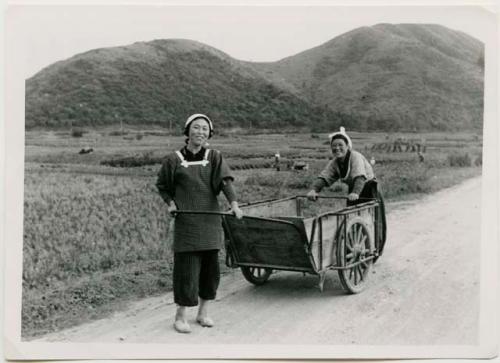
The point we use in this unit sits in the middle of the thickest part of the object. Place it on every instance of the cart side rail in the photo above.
(272, 208)
(353, 208)
(290, 206)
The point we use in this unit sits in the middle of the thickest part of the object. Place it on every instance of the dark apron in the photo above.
(371, 191)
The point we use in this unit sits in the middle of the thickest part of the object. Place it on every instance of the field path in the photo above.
(423, 290)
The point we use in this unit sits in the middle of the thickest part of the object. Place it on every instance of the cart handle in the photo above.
(201, 212)
(232, 215)
(323, 196)
(334, 197)
(347, 210)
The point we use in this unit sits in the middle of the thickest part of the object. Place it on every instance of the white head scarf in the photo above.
(194, 117)
(343, 134)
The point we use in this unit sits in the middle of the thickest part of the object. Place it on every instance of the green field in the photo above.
(94, 234)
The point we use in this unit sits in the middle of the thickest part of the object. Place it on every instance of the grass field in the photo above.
(94, 235)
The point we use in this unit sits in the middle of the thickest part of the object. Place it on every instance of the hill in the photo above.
(392, 77)
(384, 77)
(159, 82)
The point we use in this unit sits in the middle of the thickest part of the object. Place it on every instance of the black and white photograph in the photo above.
(252, 181)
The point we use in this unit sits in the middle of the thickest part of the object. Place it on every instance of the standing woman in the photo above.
(354, 170)
(191, 179)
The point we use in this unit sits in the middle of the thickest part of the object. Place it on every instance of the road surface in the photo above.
(424, 290)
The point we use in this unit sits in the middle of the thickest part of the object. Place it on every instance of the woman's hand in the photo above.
(235, 209)
(353, 196)
(312, 195)
(237, 212)
(171, 208)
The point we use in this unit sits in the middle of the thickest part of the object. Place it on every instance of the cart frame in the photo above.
(354, 231)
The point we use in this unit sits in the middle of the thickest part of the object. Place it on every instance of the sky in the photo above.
(46, 34)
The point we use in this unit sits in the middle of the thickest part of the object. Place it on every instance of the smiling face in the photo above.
(199, 131)
(339, 148)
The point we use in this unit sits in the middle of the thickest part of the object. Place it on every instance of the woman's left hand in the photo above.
(235, 209)
(353, 196)
(237, 212)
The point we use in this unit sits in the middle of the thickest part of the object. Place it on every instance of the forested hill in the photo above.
(159, 82)
(385, 77)
(388, 76)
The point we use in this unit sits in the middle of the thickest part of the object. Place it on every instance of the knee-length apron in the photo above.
(194, 190)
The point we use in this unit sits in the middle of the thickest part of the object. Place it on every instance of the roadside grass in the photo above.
(94, 235)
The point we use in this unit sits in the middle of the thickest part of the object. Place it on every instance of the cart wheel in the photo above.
(256, 275)
(358, 244)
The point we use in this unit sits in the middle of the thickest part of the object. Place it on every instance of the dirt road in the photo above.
(423, 290)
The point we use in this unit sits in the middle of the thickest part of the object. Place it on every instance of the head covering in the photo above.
(343, 135)
(194, 117)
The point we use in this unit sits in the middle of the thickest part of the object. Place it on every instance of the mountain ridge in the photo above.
(382, 77)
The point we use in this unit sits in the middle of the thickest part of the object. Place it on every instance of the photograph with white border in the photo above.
(98, 101)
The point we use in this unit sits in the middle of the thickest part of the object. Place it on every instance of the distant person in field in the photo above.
(420, 156)
(277, 161)
(191, 179)
(353, 169)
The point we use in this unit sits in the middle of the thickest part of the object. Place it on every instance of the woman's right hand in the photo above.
(171, 208)
(312, 195)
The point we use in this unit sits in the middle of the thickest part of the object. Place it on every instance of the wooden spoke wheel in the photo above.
(351, 250)
(256, 275)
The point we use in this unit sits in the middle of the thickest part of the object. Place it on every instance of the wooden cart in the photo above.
(277, 235)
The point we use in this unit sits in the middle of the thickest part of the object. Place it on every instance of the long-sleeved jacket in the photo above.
(358, 172)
